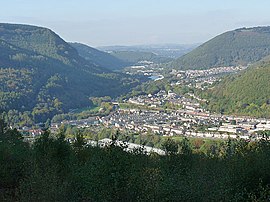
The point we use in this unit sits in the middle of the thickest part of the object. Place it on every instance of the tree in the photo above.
(79, 142)
(14, 157)
(47, 123)
(170, 146)
(2, 126)
(185, 146)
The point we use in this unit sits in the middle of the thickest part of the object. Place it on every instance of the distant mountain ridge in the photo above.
(238, 47)
(133, 57)
(162, 50)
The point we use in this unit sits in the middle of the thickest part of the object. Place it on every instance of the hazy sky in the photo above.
(129, 22)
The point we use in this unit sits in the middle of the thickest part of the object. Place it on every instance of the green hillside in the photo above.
(238, 47)
(247, 93)
(137, 56)
(42, 74)
(98, 57)
(39, 40)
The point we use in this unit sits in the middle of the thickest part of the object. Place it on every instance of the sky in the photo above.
(137, 22)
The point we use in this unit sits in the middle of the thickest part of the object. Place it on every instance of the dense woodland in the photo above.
(52, 169)
(244, 94)
(41, 75)
(239, 47)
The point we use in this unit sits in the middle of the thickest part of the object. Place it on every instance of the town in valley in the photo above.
(168, 114)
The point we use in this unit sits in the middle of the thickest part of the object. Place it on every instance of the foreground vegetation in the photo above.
(52, 169)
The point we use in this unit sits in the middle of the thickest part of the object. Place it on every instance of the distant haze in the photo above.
(132, 22)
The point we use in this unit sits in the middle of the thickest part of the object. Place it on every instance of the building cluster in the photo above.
(168, 114)
(202, 78)
(189, 119)
(145, 68)
(29, 132)
(81, 123)
(184, 123)
(213, 71)
(162, 98)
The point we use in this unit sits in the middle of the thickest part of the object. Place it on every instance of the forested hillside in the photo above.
(238, 47)
(247, 93)
(98, 57)
(42, 74)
